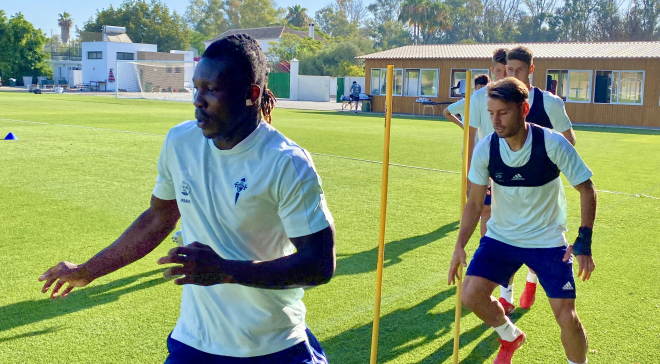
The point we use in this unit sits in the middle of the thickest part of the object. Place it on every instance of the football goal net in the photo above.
(157, 80)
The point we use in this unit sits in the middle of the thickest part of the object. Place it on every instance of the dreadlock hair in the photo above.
(248, 67)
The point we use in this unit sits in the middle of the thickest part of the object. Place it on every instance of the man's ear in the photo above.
(525, 109)
(254, 94)
(531, 69)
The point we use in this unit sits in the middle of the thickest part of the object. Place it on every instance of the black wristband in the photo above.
(582, 245)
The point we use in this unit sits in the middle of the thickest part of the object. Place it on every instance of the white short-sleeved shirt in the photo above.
(457, 108)
(245, 203)
(529, 217)
(480, 118)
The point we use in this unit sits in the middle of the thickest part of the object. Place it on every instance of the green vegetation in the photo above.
(70, 191)
(21, 49)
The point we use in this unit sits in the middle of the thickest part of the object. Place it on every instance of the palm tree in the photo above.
(429, 15)
(297, 16)
(414, 12)
(65, 22)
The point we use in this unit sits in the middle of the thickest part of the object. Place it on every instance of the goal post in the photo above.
(155, 80)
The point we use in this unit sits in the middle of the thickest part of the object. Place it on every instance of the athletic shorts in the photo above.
(355, 98)
(307, 352)
(498, 261)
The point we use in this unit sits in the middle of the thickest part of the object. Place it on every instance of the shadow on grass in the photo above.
(33, 333)
(366, 261)
(31, 311)
(408, 329)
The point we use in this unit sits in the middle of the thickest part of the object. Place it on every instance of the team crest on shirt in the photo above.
(240, 187)
(185, 188)
(185, 191)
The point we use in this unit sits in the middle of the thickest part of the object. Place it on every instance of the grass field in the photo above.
(69, 191)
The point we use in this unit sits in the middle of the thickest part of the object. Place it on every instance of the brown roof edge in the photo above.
(573, 50)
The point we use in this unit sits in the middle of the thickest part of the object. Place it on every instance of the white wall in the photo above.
(99, 69)
(189, 68)
(63, 69)
(314, 88)
(264, 43)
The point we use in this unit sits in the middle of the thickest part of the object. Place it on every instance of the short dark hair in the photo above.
(481, 80)
(499, 56)
(522, 54)
(354, 81)
(508, 89)
(249, 66)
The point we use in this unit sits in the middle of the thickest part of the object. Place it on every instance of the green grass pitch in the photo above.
(69, 191)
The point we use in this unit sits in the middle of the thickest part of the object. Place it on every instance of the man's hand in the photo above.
(201, 265)
(65, 272)
(456, 261)
(585, 263)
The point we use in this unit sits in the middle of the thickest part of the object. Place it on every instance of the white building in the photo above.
(100, 57)
(264, 36)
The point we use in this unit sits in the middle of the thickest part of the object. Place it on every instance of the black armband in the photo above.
(582, 245)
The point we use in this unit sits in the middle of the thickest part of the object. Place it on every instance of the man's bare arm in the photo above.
(569, 135)
(451, 117)
(143, 236)
(312, 264)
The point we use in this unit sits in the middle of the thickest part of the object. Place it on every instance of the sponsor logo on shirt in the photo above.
(518, 177)
(240, 186)
(185, 190)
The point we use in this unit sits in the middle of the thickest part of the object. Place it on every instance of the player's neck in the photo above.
(517, 141)
(231, 139)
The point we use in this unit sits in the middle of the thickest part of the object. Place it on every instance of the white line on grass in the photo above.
(321, 154)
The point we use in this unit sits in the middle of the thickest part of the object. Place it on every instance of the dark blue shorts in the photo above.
(487, 200)
(307, 352)
(498, 261)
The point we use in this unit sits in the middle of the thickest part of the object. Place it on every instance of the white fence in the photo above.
(314, 88)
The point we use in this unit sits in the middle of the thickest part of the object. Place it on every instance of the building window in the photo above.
(421, 82)
(411, 87)
(168, 69)
(125, 56)
(94, 55)
(619, 87)
(570, 85)
(379, 81)
(178, 69)
(458, 76)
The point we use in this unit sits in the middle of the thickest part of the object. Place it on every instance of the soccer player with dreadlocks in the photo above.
(255, 225)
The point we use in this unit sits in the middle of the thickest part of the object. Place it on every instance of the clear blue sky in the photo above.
(43, 13)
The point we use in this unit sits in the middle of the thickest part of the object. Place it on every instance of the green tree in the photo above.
(297, 16)
(641, 20)
(336, 59)
(22, 49)
(65, 22)
(291, 46)
(335, 22)
(253, 13)
(150, 23)
(608, 24)
(206, 17)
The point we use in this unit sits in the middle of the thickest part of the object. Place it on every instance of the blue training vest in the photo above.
(537, 114)
(538, 171)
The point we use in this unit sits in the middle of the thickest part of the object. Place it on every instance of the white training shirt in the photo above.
(457, 108)
(480, 118)
(529, 217)
(245, 203)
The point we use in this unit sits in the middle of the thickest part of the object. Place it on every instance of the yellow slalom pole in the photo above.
(466, 140)
(383, 212)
